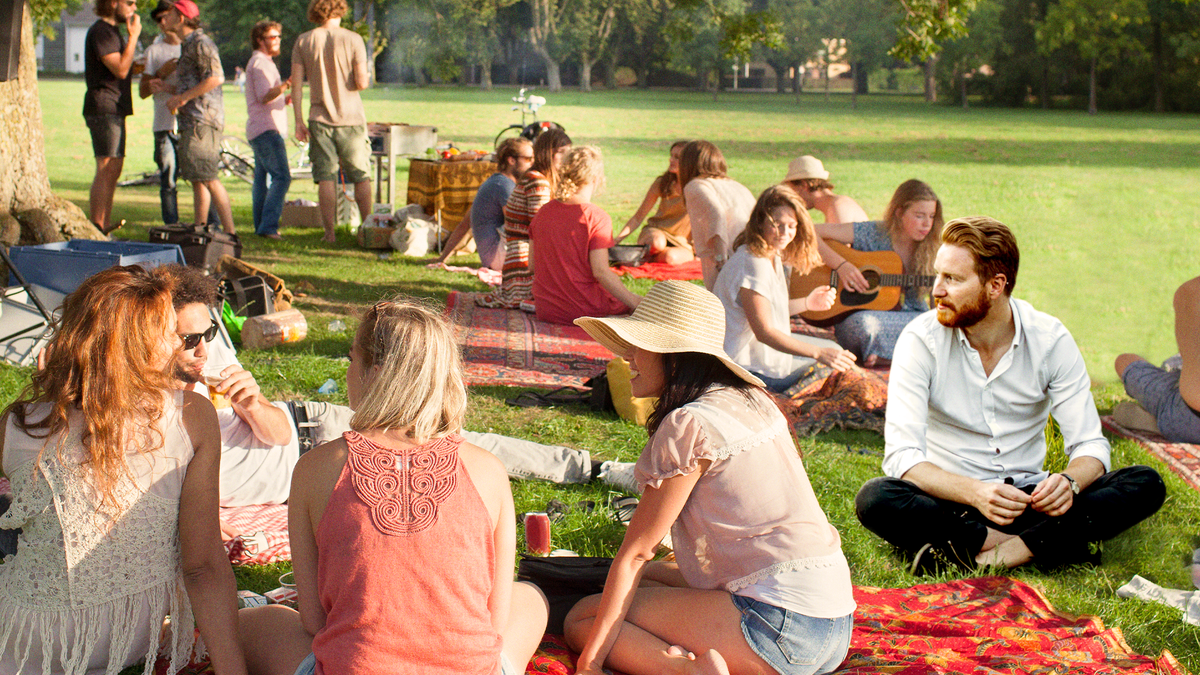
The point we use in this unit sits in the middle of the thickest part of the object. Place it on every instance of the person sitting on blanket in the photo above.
(668, 234)
(760, 579)
(533, 192)
(569, 239)
(403, 534)
(912, 228)
(1168, 400)
(965, 445)
(810, 180)
(753, 288)
(485, 218)
(261, 441)
(114, 474)
(718, 206)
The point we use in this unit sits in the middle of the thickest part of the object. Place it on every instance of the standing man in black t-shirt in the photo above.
(108, 69)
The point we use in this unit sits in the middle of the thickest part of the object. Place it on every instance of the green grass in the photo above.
(1104, 208)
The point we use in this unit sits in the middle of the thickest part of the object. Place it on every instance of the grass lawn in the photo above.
(1104, 207)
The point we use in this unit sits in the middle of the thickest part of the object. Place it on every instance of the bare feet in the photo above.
(1010, 553)
(994, 539)
(676, 650)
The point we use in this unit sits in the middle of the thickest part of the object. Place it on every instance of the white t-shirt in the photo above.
(252, 472)
(765, 277)
(158, 54)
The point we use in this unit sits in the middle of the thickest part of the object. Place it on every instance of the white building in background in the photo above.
(64, 54)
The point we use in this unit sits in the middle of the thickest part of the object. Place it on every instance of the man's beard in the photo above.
(968, 315)
(184, 375)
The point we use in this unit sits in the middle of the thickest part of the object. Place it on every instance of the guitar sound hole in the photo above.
(854, 299)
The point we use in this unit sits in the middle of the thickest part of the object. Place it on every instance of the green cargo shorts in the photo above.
(331, 146)
(199, 152)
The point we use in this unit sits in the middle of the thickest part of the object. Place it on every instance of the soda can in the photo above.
(537, 533)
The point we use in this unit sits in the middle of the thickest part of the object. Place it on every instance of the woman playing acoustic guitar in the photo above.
(912, 228)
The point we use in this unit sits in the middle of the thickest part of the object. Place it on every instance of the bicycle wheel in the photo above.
(237, 159)
(299, 161)
(510, 131)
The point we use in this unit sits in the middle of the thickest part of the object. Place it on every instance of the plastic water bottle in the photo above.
(330, 387)
(337, 326)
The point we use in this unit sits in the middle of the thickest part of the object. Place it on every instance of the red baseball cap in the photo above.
(187, 8)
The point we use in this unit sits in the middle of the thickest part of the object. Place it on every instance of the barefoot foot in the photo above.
(711, 663)
(676, 650)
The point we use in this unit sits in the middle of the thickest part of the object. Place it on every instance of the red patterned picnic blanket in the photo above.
(990, 625)
(824, 400)
(271, 520)
(513, 348)
(1183, 458)
(688, 271)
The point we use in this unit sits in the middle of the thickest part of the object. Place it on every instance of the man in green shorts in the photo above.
(333, 60)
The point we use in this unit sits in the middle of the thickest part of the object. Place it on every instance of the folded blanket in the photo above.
(688, 271)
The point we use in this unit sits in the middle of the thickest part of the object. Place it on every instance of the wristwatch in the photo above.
(1074, 485)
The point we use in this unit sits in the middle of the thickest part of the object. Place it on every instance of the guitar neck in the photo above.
(892, 280)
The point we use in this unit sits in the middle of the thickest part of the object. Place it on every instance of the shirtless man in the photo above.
(808, 177)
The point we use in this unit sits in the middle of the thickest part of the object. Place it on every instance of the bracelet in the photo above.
(844, 261)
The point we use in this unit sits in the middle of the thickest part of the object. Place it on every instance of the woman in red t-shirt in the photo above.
(570, 237)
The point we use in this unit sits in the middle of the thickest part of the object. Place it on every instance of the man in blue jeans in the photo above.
(157, 80)
(266, 127)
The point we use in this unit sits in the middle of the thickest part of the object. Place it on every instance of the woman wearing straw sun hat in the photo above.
(761, 584)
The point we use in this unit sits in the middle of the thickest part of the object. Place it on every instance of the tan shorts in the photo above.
(199, 153)
(331, 147)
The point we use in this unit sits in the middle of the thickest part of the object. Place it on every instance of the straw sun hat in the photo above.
(806, 167)
(674, 317)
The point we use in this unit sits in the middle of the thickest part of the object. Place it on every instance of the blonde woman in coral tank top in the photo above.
(403, 535)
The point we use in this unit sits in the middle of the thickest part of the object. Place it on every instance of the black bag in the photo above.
(203, 245)
(248, 296)
(627, 255)
(597, 397)
(565, 581)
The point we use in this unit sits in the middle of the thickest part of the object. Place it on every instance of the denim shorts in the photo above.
(108, 135)
(309, 666)
(794, 644)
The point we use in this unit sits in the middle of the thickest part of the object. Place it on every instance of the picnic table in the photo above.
(445, 189)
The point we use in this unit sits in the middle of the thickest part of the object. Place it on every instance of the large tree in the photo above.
(1096, 29)
(30, 212)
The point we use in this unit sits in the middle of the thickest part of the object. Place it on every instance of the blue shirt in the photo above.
(487, 218)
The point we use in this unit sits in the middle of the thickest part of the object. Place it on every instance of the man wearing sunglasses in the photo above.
(261, 441)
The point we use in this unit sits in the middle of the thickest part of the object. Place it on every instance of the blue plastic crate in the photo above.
(64, 265)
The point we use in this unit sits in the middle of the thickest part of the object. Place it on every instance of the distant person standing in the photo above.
(108, 70)
(266, 127)
(334, 61)
(159, 80)
(200, 110)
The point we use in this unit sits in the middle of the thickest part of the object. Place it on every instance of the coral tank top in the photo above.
(405, 565)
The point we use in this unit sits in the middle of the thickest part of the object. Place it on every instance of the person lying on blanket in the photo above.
(1170, 398)
(965, 444)
(261, 440)
(403, 534)
(761, 578)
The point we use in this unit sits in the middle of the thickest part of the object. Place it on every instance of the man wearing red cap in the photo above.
(200, 110)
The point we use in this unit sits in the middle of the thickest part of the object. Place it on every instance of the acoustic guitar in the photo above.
(883, 270)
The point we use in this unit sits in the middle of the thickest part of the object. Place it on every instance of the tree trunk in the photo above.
(613, 61)
(854, 67)
(799, 86)
(553, 74)
(1092, 87)
(24, 181)
(1158, 68)
(485, 76)
(1045, 84)
(643, 76)
(825, 74)
(963, 83)
(585, 73)
(930, 82)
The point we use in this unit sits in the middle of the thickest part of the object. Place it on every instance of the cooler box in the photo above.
(63, 265)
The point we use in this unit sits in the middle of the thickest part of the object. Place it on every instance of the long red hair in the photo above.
(104, 361)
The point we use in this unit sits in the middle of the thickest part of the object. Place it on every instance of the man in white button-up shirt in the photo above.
(971, 387)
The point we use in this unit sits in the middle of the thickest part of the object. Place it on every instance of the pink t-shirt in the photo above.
(261, 76)
(563, 236)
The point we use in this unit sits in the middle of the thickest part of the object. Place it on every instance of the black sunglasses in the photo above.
(192, 340)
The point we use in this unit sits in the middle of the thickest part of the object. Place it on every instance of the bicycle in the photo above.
(237, 159)
(528, 105)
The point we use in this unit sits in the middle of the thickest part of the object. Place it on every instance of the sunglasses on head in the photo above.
(192, 340)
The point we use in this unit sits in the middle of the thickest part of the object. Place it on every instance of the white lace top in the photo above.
(88, 588)
(752, 524)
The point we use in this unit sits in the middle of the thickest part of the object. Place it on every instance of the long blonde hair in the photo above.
(101, 363)
(583, 165)
(801, 253)
(412, 369)
(910, 192)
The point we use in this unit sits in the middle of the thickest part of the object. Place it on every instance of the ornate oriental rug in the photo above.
(1183, 458)
(512, 348)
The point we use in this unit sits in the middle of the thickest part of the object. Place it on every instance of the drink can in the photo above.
(537, 533)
